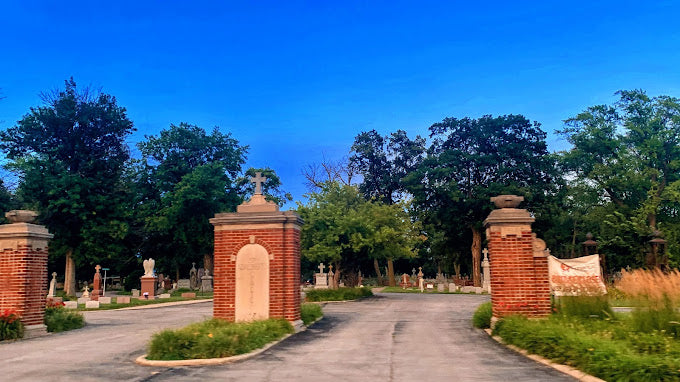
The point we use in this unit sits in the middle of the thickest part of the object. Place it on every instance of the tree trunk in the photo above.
(377, 272)
(177, 273)
(70, 274)
(390, 273)
(476, 249)
(336, 278)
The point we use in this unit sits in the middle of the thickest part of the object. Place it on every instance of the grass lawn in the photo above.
(398, 289)
(137, 302)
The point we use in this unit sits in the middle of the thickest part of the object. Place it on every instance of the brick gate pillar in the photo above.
(519, 264)
(257, 262)
(23, 269)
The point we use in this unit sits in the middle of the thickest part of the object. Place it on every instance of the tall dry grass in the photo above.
(653, 288)
(657, 296)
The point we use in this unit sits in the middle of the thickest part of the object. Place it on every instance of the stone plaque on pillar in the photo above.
(252, 283)
(257, 261)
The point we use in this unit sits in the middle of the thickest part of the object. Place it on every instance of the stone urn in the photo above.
(21, 216)
(507, 201)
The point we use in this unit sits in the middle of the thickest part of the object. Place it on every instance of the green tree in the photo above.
(471, 160)
(70, 154)
(343, 229)
(628, 154)
(184, 178)
(383, 163)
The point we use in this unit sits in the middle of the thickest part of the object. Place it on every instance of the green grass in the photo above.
(136, 302)
(216, 338)
(611, 349)
(310, 312)
(482, 316)
(339, 294)
(61, 319)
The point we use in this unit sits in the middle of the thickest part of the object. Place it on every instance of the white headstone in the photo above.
(164, 295)
(92, 305)
(71, 304)
(104, 300)
(53, 284)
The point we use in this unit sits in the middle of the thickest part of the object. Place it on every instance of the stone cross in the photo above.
(321, 267)
(52, 285)
(486, 253)
(258, 180)
(97, 268)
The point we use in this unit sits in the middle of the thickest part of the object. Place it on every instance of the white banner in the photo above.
(575, 277)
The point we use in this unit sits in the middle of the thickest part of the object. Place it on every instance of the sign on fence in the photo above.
(575, 277)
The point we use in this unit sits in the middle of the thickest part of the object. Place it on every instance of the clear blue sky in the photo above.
(299, 80)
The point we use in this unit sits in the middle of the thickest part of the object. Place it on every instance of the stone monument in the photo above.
(321, 278)
(23, 269)
(421, 282)
(97, 284)
(486, 273)
(207, 282)
(149, 279)
(257, 261)
(193, 277)
(53, 285)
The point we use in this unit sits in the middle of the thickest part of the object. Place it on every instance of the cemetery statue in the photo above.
(148, 267)
(193, 277)
(86, 292)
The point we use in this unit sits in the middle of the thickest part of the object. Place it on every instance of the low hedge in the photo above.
(339, 294)
(482, 316)
(310, 313)
(59, 319)
(216, 338)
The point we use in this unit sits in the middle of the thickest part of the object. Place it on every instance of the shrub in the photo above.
(482, 317)
(339, 294)
(216, 338)
(310, 313)
(10, 325)
(584, 306)
(58, 319)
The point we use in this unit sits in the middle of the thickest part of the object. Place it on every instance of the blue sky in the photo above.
(297, 81)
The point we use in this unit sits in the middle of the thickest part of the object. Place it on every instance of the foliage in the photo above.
(482, 316)
(608, 349)
(310, 312)
(469, 161)
(270, 189)
(183, 179)
(339, 294)
(584, 306)
(344, 229)
(59, 319)
(627, 156)
(10, 325)
(216, 338)
(656, 296)
(70, 154)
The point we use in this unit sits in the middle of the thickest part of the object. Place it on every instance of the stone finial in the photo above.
(507, 201)
(258, 179)
(21, 216)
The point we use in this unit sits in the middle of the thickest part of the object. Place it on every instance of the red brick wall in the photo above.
(23, 282)
(519, 281)
(284, 270)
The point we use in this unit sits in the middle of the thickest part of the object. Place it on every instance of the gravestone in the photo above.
(71, 304)
(92, 304)
(123, 299)
(420, 279)
(184, 284)
(104, 300)
(440, 287)
(207, 282)
(321, 278)
(135, 293)
(53, 284)
(97, 283)
(83, 300)
(486, 273)
(257, 261)
(188, 295)
(193, 277)
(453, 287)
(164, 295)
(149, 280)
(405, 282)
(86, 292)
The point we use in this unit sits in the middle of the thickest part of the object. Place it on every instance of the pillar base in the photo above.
(32, 331)
(148, 287)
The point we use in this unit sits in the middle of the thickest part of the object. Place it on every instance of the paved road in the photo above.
(391, 337)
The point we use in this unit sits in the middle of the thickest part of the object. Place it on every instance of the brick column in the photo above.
(258, 225)
(23, 269)
(518, 261)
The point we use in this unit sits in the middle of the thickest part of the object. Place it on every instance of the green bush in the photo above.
(10, 325)
(584, 306)
(339, 294)
(310, 313)
(610, 349)
(58, 319)
(482, 317)
(216, 338)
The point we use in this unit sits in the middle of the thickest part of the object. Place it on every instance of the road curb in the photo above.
(151, 306)
(568, 370)
(141, 360)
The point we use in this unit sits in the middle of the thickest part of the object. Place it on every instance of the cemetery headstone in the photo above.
(97, 283)
(135, 293)
(92, 304)
(188, 295)
(86, 292)
(123, 299)
(83, 300)
(71, 304)
(486, 272)
(321, 278)
(405, 282)
(420, 279)
(440, 287)
(104, 300)
(164, 295)
(184, 284)
(453, 287)
(53, 284)
(207, 282)
(193, 277)
(149, 280)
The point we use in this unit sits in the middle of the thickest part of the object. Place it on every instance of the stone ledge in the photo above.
(568, 370)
